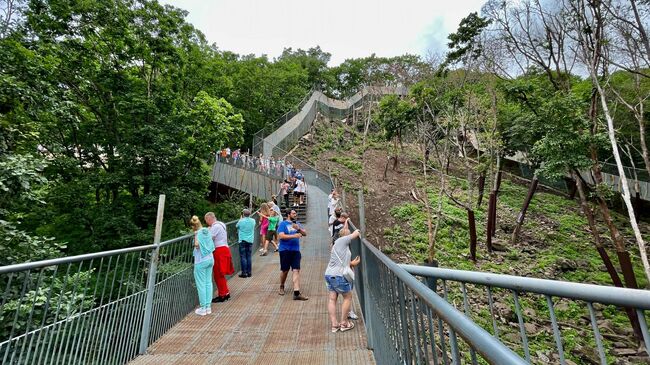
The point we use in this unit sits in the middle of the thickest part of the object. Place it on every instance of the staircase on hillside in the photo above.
(301, 209)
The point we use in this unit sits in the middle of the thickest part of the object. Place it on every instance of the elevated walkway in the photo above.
(136, 305)
(258, 326)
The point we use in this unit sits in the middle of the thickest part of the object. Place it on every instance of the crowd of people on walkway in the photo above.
(213, 259)
(260, 163)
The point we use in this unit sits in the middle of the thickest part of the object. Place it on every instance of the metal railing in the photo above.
(275, 168)
(286, 132)
(91, 309)
(408, 323)
(548, 302)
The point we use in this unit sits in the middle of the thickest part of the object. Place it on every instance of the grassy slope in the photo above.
(555, 231)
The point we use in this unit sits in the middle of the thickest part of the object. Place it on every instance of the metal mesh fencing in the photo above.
(569, 311)
(298, 121)
(408, 323)
(91, 309)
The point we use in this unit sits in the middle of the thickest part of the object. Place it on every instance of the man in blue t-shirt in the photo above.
(289, 232)
(246, 232)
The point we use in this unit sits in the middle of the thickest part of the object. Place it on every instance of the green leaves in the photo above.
(566, 139)
(395, 116)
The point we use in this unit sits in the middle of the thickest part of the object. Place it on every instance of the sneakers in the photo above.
(300, 297)
(208, 310)
(264, 252)
(201, 311)
(352, 315)
(243, 275)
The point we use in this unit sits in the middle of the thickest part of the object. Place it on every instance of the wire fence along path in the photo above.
(258, 326)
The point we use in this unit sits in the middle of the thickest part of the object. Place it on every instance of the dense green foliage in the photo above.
(105, 105)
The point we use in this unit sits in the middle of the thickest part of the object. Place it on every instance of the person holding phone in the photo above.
(290, 232)
(340, 258)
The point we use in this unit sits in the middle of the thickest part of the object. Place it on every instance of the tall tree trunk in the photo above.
(644, 146)
(471, 220)
(594, 232)
(438, 218)
(490, 222)
(522, 214)
(604, 256)
(626, 188)
(481, 188)
(427, 206)
(495, 192)
(641, 27)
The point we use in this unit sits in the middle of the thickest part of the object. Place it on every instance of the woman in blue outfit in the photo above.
(340, 258)
(203, 263)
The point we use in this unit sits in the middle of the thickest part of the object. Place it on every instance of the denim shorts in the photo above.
(338, 284)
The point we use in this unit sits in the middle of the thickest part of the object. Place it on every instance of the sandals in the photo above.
(347, 327)
(335, 329)
(281, 292)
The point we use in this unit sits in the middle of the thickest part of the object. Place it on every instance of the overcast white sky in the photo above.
(344, 28)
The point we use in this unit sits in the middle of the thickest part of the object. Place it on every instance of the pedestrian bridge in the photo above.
(135, 305)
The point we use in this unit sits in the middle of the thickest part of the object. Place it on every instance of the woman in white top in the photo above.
(300, 190)
(340, 258)
(203, 263)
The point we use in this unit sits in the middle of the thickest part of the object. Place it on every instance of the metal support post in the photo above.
(367, 311)
(151, 279)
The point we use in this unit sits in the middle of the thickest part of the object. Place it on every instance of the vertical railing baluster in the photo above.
(85, 340)
(68, 313)
(644, 329)
(28, 324)
(423, 330)
(122, 323)
(51, 328)
(402, 319)
(13, 326)
(95, 326)
(453, 341)
(416, 332)
(114, 312)
(472, 353)
(151, 279)
(556, 329)
(130, 327)
(432, 331)
(597, 337)
(522, 329)
(494, 320)
(443, 346)
(43, 321)
(56, 316)
(107, 315)
(81, 320)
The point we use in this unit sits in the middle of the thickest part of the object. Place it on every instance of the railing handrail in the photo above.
(484, 343)
(23, 266)
(623, 297)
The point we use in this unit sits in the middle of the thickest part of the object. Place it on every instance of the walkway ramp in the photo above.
(258, 326)
(237, 177)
